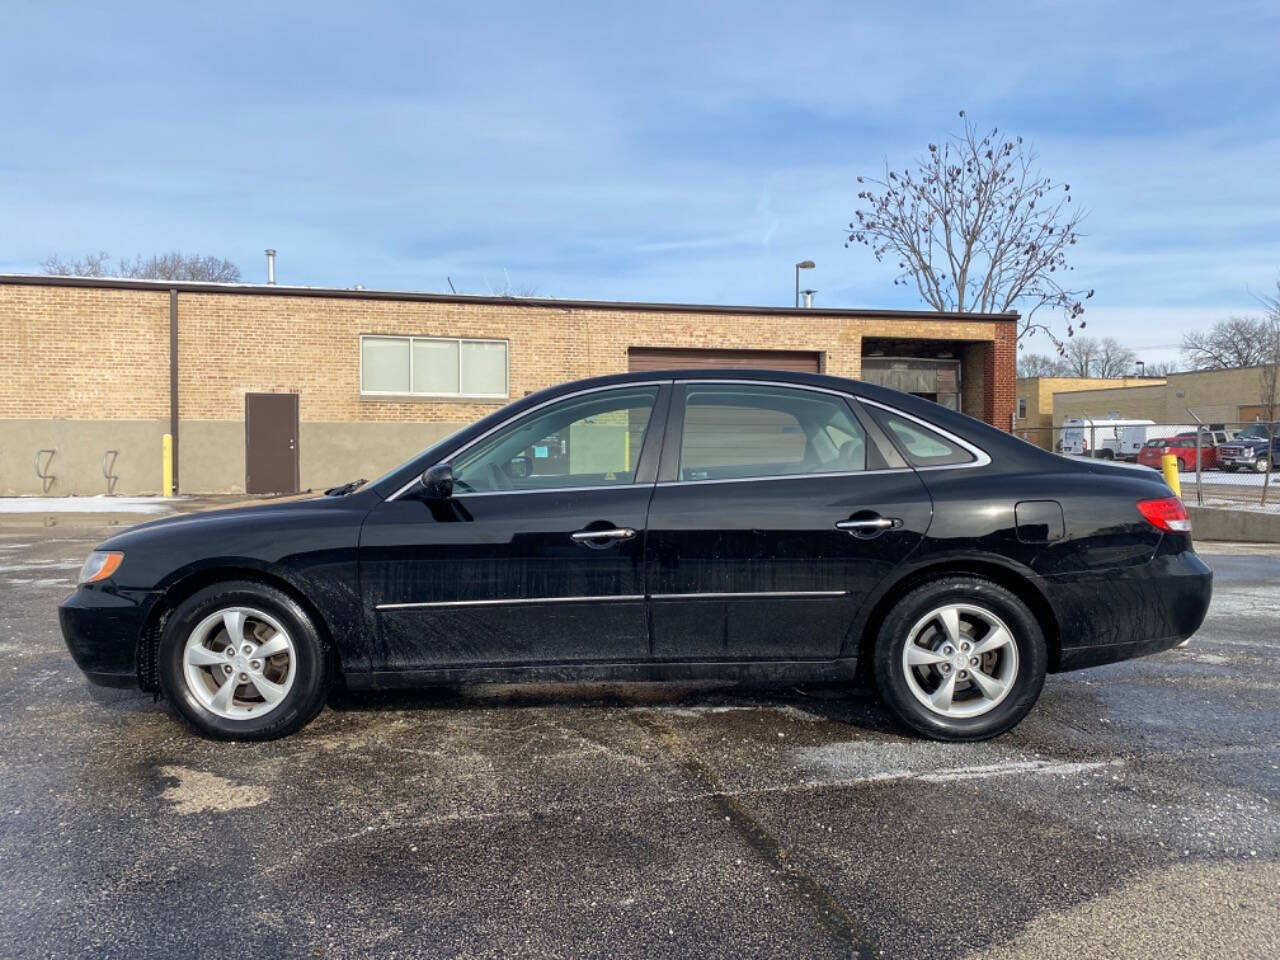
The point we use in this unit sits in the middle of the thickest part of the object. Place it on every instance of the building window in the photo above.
(433, 367)
(1022, 408)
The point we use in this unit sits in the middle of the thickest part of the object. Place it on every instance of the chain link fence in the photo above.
(1219, 464)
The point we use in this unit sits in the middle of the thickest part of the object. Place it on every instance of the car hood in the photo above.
(241, 517)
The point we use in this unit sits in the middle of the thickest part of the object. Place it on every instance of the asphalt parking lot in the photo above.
(1134, 814)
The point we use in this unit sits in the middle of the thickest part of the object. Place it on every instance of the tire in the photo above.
(284, 690)
(982, 607)
(1262, 465)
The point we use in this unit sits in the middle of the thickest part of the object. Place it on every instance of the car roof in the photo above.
(871, 391)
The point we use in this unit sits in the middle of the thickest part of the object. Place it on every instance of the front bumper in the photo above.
(1117, 614)
(102, 629)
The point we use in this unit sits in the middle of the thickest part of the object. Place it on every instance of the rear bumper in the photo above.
(101, 629)
(1130, 612)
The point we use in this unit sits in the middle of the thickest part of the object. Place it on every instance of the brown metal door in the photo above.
(673, 358)
(271, 442)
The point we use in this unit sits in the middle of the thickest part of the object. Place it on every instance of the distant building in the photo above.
(1212, 396)
(1036, 415)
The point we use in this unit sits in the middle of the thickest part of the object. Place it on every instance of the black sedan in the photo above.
(751, 525)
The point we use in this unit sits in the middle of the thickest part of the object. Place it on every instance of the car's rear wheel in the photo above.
(961, 658)
(243, 661)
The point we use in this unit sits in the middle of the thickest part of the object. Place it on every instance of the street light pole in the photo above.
(802, 265)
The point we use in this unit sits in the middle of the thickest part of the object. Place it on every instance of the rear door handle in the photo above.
(617, 533)
(866, 527)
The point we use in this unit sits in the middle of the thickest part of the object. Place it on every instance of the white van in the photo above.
(1107, 439)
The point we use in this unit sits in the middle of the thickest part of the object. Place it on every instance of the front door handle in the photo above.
(617, 533)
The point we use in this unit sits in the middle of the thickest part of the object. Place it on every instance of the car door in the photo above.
(778, 510)
(538, 555)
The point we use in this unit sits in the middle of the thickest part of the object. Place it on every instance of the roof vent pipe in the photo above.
(271, 267)
(808, 298)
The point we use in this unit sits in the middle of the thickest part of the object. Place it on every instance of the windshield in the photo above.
(1257, 431)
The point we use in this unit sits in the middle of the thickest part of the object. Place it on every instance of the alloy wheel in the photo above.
(239, 662)
(960, 660)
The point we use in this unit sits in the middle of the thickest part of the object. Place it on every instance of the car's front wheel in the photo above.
(961, 658)
(1262, 465)
(243, 661)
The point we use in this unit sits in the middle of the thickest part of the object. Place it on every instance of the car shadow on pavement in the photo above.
(849, 704)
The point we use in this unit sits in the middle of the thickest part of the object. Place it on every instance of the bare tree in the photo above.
(516, 291)
(1041, 365)
(91, 265)
(976, 227)
(1235, 342)
(162, 266)
(1106, 358)
(181, 266)
(1159, 368)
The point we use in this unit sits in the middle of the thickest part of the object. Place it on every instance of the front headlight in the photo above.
(100, 565)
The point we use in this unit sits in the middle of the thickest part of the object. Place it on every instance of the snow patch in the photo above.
(100, 504)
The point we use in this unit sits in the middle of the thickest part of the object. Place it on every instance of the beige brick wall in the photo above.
(1215, 396)
(101, 355)
(1040, 392)
(1129, 403)
(233, 345)
(83, 354)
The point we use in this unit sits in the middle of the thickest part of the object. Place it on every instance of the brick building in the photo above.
(1035, 417)
(280, 388)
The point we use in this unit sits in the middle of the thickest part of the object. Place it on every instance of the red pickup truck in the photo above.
(1183, 446)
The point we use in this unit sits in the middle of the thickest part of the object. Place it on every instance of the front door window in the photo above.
(592, 440)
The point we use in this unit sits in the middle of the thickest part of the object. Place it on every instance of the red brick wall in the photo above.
(1000, 372)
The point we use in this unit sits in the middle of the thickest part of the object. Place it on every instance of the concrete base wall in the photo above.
(211, 454)
(77, 462)
(1242, 526)
(333, 453)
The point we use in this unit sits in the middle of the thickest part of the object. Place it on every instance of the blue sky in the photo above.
(651, 151)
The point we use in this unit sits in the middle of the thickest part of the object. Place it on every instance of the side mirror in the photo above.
(437, 482)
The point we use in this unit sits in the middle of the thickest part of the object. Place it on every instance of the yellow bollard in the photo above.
(166, 464)
(1169, 463)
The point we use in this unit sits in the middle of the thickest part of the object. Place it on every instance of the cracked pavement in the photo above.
(1133, 814)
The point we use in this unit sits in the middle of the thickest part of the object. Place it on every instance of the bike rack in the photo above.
(109, 470)
(46, 478)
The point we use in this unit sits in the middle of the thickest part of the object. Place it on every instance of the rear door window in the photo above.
(739, 431)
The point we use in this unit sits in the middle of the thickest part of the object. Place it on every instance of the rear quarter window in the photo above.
(922, 446)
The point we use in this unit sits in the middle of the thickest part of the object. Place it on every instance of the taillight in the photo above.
(1167, 514)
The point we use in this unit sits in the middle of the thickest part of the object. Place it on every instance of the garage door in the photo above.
(665, 358)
